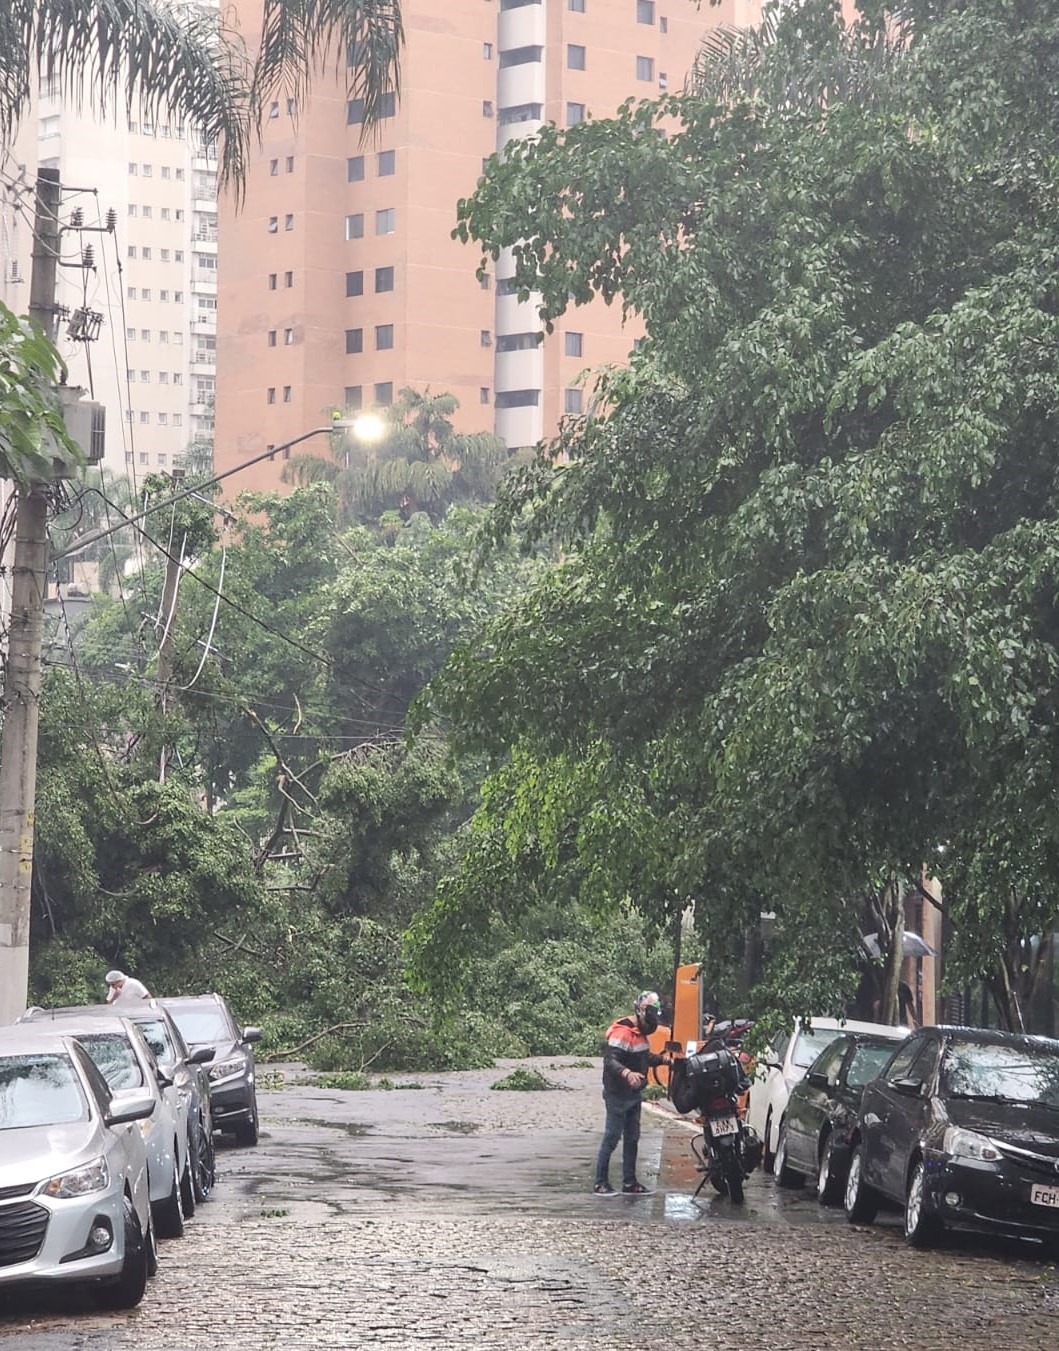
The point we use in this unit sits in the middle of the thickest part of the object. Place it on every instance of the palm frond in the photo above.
(299, 37)
(305, 469)
(169, 62)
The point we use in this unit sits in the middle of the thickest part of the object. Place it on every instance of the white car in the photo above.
(785, 1062)
(74, 1200)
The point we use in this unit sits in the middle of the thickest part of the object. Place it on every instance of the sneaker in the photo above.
(603, 1189)
(635, 1189)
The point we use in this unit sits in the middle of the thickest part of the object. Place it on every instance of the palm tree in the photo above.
(803, 56)
(186, 60)
(419, 463)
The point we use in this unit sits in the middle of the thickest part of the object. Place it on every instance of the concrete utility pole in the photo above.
(18, 740)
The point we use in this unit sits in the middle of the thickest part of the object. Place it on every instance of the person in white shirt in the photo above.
(125, 987)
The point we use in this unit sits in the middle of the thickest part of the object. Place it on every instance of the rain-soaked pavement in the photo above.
(448, 1215)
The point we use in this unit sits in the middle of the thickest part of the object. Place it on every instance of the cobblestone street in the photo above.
(454, 1216)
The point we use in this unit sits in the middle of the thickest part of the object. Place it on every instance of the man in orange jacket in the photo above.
(626, 1060)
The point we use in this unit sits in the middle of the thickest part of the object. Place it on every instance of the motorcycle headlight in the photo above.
(228, 1069)
(961, 1144)
(92, 1177)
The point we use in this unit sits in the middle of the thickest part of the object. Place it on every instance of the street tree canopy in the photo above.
(810, 534)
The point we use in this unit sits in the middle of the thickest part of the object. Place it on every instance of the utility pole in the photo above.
(18, 740)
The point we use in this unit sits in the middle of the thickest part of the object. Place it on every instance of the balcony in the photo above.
(204, 357)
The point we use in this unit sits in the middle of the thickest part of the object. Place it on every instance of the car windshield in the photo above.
(200, 1026)
(115, 1060)
(868, 1063)
(1026, 1073)
(158, 1039)
(39, 1090)
(809, 1044)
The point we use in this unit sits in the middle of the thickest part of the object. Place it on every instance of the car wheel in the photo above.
(203, 1161)
(169, 1215)
(828, 1177)
(152, 1246)
(187, 1188)
(246, 1133)
(128, 1289)
(922, 1229)
(767, 1157)
(860, 1201)
(785, 1176)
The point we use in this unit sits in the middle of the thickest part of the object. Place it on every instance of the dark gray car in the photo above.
(206, 1021)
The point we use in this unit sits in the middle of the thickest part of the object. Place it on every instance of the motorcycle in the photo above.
(713, 1082)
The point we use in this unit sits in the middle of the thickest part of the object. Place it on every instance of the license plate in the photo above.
(729, 1125)
(1044, 1196)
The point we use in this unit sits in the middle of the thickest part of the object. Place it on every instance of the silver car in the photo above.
(74, 1201)
(120, 1052)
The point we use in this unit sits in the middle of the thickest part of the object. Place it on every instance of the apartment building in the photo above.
(340, 282)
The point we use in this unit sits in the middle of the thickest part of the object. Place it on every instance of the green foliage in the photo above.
(524, 1080)
(32, 430)
(349, 1081)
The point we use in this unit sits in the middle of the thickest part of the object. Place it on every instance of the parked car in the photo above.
(822, 1112)
(206, 1020)
(961, 1130)
(119, 1051)
(74, 1200)
(784, 1063)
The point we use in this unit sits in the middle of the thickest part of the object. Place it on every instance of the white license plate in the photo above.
(729, 1125)
(1044, 1196)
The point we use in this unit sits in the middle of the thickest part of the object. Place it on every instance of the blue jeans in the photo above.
(623, 1119)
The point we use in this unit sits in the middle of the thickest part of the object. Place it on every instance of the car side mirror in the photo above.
(129, 1107)
(251, 1034)
(202, 1055)
(908, 1088)
(816, 1080)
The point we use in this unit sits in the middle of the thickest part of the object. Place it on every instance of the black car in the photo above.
(822, 1112)
(961, 1129)
(206, 1020)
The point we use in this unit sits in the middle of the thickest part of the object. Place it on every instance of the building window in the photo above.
(573, 344)
(130, 293)
(273, 168)
(663, 25)
(573, 400)
(145, 212)
(383, 337)
(286, 393)
(354, 112)
(386, 164)
(354, 284)
(355, 169)
(645, 68)
(487, 51)
(485, 338)
(355, 226)
(518, 398)
(164, 255)
(386, 221)
(146, 255)
(516, 4)
(273, 111)
(384, 394)
(645, 11)
(272, 337)
(663, 80)
(288, 221)
(487, 107)
(388, 104)
(163, 335)
(144, 420)
(576, 6)
(521, 112)
(575, 56)
(354, 399)
(270, 395)
(145, 335)
(483, 281)
(145, 377)
(163, 419)
(163, 460)
(130, 335)
(383, 279)
(517, 342)
(292, 108)
(288, 337)
(130, 252)
(132, 209)
(178, 419)
(483, 394)
(273, 225)
(354, 341)
(524, 56)
(163, 296)
(575, 113)
(145, 293)
(163, 377)
(272, 281)
(288, 280)
(147, 171)
(290, 164)
(164, 213)
(134, 169)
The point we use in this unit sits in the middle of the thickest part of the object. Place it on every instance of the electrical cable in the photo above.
(216, 612)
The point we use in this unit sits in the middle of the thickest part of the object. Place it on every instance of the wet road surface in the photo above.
(453, 1216)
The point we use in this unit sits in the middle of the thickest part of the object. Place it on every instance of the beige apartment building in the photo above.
(339, 283)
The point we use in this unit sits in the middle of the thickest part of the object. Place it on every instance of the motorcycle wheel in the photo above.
(733, 1176)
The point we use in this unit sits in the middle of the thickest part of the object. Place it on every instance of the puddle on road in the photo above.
(455, 1127)
(354, 1128)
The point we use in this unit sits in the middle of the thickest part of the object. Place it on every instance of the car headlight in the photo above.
(228, 1069)
(961, 1144)
(93, 1177)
